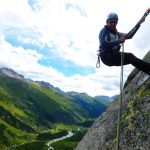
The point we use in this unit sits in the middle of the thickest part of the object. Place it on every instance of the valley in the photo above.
(27, 108)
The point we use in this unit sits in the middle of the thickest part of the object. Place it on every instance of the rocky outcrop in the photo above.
(135, 120)
(11, 73)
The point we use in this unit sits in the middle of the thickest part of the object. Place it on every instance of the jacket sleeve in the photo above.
(132, 32)
(104, 42)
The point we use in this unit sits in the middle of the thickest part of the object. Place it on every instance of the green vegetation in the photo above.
(35, 145)
(28, 108)
(135, 117)
(107, 103)
(87, 123)
(67, 144)
(70, 143)
(45, 136)
(10, 135)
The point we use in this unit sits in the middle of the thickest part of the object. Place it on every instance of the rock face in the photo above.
(135, 120)
(11, 73)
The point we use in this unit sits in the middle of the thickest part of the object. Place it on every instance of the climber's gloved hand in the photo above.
(122, 39)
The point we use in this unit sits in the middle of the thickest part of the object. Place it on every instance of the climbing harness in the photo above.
(121, 82)
(98, 59)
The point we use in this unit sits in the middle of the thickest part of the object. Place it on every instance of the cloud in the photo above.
(26, 62)
(75, 6)
(17, 56)
(56, 41)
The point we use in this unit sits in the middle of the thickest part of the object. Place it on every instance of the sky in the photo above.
(56, 41)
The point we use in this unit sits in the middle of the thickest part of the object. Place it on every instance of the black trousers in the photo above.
(113, 58)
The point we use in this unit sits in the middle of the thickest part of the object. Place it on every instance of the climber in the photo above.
(110, 42)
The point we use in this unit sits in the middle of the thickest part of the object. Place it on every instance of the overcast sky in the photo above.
(56, 41)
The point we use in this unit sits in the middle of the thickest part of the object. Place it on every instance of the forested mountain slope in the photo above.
(28, 107)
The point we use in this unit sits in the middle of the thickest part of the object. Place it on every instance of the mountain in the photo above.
(107, 98)
(47, 84)
(135, 119)
(28, 107)
(85, 101)
(11, 73)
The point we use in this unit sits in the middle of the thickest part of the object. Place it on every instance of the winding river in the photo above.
(59, 139)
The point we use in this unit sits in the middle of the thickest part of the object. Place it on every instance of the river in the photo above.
(59, 139)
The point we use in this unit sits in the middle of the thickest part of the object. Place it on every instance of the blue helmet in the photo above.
(112, 16)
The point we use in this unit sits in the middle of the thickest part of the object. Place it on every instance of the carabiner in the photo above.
(98, 64)
(98, 59)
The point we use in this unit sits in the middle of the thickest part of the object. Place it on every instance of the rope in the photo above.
(120, 100)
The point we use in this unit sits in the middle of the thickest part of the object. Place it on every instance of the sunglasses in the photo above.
(113, 21)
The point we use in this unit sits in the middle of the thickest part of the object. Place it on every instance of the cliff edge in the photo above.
(135, 121)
